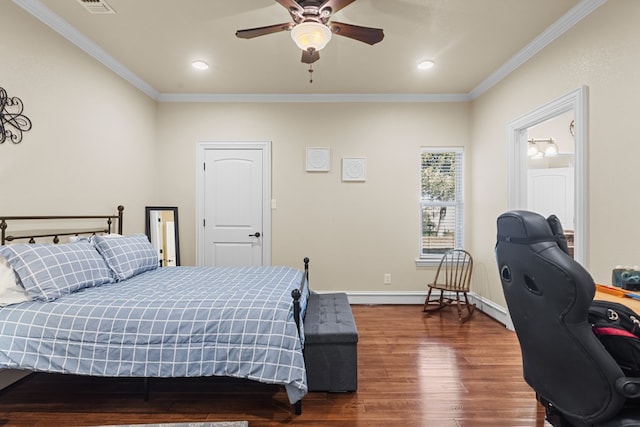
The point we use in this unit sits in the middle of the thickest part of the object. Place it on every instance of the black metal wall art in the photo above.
(12, 122)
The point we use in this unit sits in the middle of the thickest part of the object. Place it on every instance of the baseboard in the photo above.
(488, 307)
(492, 309)
(378, 298)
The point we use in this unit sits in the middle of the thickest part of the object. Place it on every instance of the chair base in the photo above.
(551, 414)
(629, 416)
(446, 301)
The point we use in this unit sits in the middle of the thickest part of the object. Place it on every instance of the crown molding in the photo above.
(62, 27)
(558, 28)
(315, 97)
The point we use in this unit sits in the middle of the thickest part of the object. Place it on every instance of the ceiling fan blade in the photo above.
(262, 31)
(310, 56)
(335, 5)
(364, 34)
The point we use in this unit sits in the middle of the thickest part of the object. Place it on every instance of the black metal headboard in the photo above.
(32, 235)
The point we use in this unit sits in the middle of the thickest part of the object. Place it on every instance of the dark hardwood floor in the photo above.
(414, 370)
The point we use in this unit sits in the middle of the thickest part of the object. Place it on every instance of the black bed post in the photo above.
(120, 209)
(3, 228)
(296, 294)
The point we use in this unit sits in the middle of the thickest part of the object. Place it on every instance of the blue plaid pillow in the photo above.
(49, 271)
(127, 255)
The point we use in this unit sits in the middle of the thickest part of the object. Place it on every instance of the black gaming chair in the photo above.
(548, 295)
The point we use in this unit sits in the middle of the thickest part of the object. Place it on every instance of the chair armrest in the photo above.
(628, 386)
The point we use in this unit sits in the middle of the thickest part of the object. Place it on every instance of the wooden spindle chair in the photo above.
(452, 280)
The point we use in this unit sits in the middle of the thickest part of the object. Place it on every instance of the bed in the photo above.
(100, 306)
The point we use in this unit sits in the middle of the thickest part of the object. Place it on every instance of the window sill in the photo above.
(424, 262)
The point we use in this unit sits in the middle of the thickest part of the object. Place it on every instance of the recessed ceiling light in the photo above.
(200, 65)
(426, 64)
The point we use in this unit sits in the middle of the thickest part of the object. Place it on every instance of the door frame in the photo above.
(575, 101)
(201, 150)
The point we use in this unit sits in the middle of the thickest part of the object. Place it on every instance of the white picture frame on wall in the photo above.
(318, 159)
(354, 169)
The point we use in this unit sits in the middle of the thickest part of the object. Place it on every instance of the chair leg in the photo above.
(426, 301)
(435, 304)
(470, 309)
(438, 303)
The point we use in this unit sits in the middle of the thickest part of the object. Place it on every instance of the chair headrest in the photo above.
(524, 227)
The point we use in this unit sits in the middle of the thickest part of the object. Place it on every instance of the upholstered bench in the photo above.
(331, 340)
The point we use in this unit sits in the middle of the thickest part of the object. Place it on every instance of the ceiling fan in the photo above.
(311, 29)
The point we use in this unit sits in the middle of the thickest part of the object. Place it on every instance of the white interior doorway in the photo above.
(574, 104)
(233, 204)
(551, 171)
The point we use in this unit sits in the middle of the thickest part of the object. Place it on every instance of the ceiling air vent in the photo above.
(96, 6)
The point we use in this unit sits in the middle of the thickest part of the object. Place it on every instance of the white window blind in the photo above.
(441, 201)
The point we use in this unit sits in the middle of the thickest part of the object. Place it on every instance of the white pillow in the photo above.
(10, 290)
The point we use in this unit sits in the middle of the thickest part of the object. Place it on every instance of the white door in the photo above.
(551, 191)
(235, 207)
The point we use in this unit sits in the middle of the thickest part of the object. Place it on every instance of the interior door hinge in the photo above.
(204, 222)
(204, 166)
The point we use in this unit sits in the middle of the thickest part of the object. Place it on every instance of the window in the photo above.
(441, 201)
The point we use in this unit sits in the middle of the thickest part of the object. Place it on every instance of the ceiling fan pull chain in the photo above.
(310, 73)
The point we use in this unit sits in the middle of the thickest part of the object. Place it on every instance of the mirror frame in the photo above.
(147, 226)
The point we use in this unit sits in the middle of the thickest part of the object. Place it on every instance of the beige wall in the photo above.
(603, 53)
(93, 142)
(352, 232)
(98, 142)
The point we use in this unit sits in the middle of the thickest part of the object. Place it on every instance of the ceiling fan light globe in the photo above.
(551, 149)
(312, 35)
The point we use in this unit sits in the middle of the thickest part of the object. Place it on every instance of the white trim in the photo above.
(428, 262)
(558, 28)
(312, 97)
(488, 307)
(575, 101)
(382, 298)
(62, 27)
(201, 147)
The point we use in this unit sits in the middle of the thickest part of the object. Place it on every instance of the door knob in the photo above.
(257, 234)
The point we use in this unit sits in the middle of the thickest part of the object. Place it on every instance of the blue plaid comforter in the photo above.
(169, 322)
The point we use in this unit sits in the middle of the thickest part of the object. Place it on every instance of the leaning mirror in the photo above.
(162, 230)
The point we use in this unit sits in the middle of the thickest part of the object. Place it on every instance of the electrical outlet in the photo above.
(387, 278)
